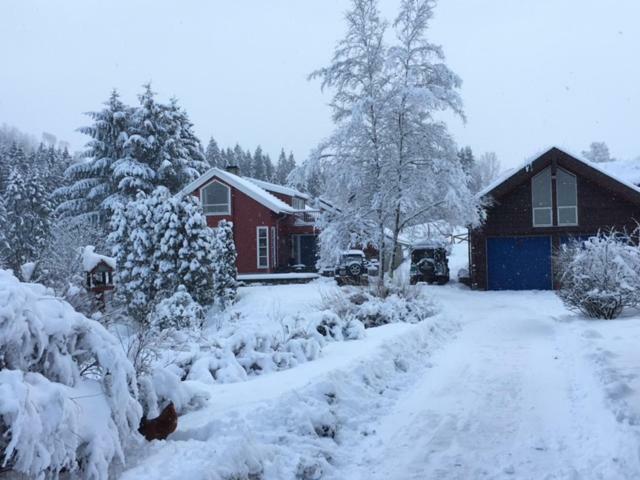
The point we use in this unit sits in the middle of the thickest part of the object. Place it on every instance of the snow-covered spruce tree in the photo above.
(600, 277)
(225, 270)
(259, 165)
(183, 156)
(92, 190)
(356, 152)
(67, 391)
(27, 219)
(213, 156)
(282, 169)
(132, 243)
(161, 241)
(195, 261)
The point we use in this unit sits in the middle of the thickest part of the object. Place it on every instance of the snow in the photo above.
(273, 187)
(246, 186)
(276, 276)
(628, 170)
(91, 259)
(500, 385)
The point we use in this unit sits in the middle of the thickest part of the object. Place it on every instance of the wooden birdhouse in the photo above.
(99, 271)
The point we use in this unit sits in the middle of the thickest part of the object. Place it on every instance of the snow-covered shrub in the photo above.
(178, 312)
(335, 327)
(599, 277)
(402, 305)
(67, 390)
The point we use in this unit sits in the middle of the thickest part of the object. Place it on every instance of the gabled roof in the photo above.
(91, 259)
(274, 187)
(246, 186)
(512, 176)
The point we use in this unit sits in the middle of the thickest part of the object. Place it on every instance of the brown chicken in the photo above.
(160, 427)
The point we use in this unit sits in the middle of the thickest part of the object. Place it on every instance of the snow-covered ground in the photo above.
(499, 385)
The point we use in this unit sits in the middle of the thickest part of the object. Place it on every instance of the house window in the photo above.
(567, 197)
(541, 199)
(298, 203)
(263, 247)
(216, 199)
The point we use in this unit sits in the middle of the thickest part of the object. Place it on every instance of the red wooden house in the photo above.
(273, 226)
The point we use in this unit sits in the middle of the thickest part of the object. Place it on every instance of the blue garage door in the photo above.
(519, 263)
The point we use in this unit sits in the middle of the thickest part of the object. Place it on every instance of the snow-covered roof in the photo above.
(529, 161)
(274, 187)
(628, 170)
(353, 252)
(246, 186)
(91, 259)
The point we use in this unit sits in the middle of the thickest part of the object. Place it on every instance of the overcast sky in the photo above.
(535, 73)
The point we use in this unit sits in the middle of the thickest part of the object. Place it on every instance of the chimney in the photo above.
(235, 169)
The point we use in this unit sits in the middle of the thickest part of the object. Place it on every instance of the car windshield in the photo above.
(351, 258)
(418, 255)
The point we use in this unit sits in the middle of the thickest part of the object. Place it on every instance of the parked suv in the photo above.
(353, 268)
(429, 263)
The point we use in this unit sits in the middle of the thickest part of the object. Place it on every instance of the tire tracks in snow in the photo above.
(512, 397)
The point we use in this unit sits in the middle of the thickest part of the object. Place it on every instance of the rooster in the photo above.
(160, 427)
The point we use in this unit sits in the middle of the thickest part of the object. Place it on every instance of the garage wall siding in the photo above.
(602, 204)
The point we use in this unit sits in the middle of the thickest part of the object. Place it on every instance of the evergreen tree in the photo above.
(225, 270)
(213, 155)
(259, 170)
(92, 190)
(269, 169)
(281, 169)
(239, 160)
(284, 167)
(183, 159)
(467, 160)
(26, 219)
(161, 241)
(132, 245)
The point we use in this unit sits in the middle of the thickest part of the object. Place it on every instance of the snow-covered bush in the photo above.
(67, 391)
(401, 305)
(599, 277)
(233, 356)
(331, 325)
(178, 312)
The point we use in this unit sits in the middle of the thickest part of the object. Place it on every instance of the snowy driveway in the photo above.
(516, 395)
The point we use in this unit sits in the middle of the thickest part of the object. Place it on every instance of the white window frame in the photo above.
(550, 208)
(567, 206)
(228, 204)
(263, 266)
(297, 201)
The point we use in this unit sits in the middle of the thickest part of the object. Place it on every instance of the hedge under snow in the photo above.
(67, 390)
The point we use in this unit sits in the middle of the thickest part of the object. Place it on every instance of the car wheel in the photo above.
(355, 269)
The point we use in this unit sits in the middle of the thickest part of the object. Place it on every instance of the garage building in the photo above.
(536, 208)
